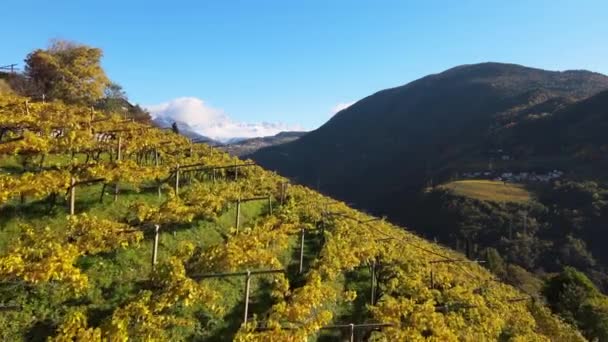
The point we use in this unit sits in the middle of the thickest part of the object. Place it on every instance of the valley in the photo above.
(317, 171)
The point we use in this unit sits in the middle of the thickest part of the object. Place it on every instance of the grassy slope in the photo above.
(487, 190)
(117, 276)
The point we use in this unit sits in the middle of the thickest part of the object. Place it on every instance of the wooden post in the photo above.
(119, 149)
(303, 233)
(247, 287)
(373, 282)
(270, 205)
(116, 191)
(283, 192)
(72, 195)
(41, 166)
(352, 327)
(52, 199)
(156, 162)
(432, 262)
(323, 229)
(236, 172)
(213, 176)
(118, 158)
(248, 276)
(177, 180)
(238, 214)
(103, 192)
(155, 245)
(27, 107)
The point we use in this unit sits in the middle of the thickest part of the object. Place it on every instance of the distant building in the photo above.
(525, 176)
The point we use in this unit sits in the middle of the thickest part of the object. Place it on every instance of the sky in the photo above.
(247, 68)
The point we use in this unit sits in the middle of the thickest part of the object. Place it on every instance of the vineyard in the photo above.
(488, 190)
(114, 230)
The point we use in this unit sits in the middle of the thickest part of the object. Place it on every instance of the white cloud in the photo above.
(212, 122)
(341, 106)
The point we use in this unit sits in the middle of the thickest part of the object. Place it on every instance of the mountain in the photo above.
(235, 146)
(247, 146)
(388, 146)
(185, 130)
(576, 129)
(94, 270)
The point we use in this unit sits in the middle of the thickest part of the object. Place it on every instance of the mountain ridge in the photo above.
(401, 133)
(247, 146)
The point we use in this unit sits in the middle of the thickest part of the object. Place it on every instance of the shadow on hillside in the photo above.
(313, 243)
(39, 331)
(33, 210)
(260, 303)
(356, 312)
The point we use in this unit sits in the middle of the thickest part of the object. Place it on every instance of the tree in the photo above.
(495, 262)
(574, 253)
(175, 128)
(67, 71)
(114, 99)
(114, 91)
(574, 297)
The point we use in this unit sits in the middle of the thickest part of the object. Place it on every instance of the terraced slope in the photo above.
(85, 198)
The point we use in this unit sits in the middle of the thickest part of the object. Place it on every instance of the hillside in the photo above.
(112, 229)
(248, 146)
(390, 145)
(185, 130)
(575, 130)
(487, 190)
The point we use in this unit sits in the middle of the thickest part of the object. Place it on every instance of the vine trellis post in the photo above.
(155, 246)
(248, 275)
(118, 159)
(72, 195)
(449, 261)
(352, 327)
(239, 201)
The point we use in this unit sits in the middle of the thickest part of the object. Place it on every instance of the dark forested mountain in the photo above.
(384, 148)
(573, 129)
(543, 129)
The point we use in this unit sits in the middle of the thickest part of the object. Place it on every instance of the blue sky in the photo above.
(294, 61)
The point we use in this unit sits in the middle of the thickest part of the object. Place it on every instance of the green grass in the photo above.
(487, 190)
(118, 276)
